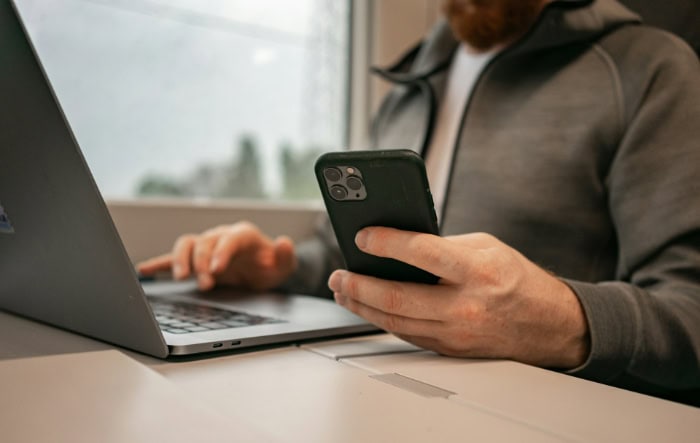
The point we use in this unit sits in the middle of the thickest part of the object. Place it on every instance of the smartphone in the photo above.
(377, 188)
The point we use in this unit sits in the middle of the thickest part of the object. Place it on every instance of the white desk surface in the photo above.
(340, 391)
(104, 397)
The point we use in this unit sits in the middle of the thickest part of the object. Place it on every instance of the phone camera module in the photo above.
(344, 183)
(339, 192)
(354, 183)
(332, 174)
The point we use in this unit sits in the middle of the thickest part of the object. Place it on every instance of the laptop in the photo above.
(62, 261)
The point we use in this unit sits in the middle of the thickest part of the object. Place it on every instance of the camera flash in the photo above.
(350, 171)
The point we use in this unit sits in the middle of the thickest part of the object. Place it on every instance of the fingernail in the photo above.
(335, 282)
(214, 266)
(361, 239)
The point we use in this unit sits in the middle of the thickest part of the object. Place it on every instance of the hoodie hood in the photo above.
(561, 22)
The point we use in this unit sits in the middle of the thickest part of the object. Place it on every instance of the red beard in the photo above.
(485, 24)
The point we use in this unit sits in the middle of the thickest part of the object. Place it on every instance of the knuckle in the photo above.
(482, 240)
(424, 241)
(225, 240)
(210, 232)
(509, 280)
(223, 253)
(420, 243)
(376, 241)
(484, 237)
(470, 312)
(200, 256)
(499, 272)
(351, 286)
(244, 226)
(393, 299)
(243, 223)
(426, 246)
(433, 255)
(487, 270)
(200, 253)
(484, 274)
(185, 240)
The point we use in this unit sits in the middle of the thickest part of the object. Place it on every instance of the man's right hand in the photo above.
(236, 255)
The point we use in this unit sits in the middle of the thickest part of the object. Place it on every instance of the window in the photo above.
(199, 98)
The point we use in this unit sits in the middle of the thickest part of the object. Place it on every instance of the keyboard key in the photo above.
(181, 324)
(213, 325)
(234, 323)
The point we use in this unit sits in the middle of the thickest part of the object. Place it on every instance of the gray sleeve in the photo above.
(645, 326)
(317, 258)
(645, 335)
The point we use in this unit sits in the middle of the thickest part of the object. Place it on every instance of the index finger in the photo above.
(429, 252)
(405, 299)
(156, 264)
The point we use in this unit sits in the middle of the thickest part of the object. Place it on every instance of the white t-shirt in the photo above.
(464, 71)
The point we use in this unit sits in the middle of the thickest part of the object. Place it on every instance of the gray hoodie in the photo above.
(579, 147)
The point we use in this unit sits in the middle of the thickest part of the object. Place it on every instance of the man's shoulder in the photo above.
(647, 62)
(637, 46)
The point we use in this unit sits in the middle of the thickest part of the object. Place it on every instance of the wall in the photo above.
(150, 228)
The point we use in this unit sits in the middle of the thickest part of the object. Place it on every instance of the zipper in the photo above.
(475, 90)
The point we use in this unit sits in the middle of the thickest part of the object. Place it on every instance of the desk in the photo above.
(338, 391)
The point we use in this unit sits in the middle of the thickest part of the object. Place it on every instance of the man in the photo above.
(562, 145)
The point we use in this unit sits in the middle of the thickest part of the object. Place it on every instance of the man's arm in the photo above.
(645, 327)
(317, 257)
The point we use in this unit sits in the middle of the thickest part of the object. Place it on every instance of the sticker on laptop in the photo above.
(5, 225)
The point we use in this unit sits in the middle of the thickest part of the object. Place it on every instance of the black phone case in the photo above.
(397, 196)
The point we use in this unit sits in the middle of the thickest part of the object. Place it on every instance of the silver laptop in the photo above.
(62, 261)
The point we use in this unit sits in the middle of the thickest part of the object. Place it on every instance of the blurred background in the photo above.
(199, 98)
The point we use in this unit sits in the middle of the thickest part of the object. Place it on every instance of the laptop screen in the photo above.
(62, 260)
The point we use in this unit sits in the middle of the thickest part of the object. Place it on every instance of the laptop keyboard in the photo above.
(178, 317)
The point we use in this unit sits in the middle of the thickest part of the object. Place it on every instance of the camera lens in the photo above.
(332, 174)
(354, 183)
(339, 192)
